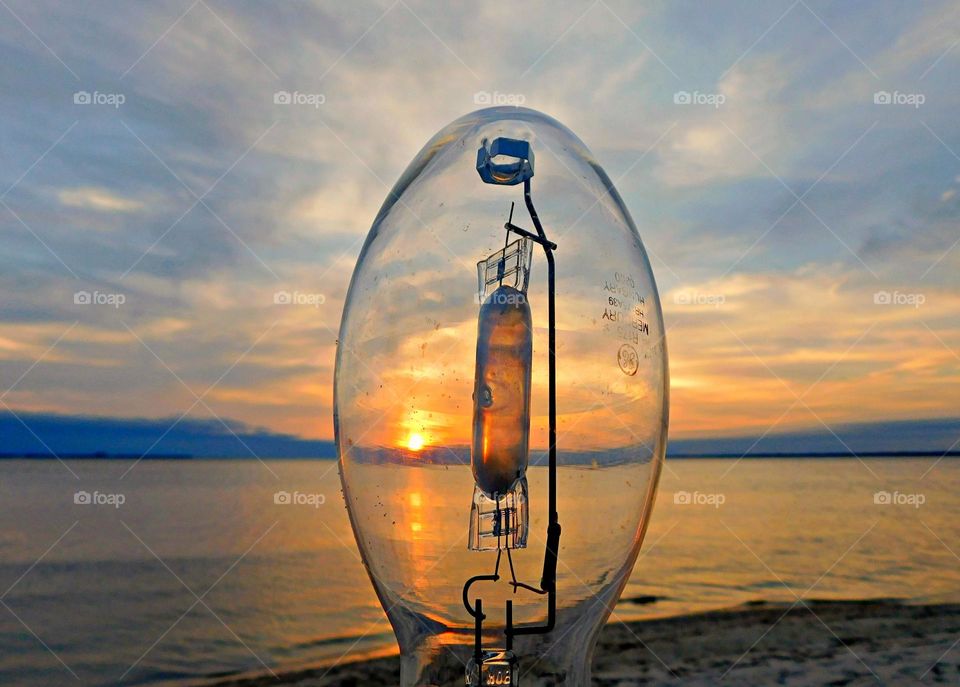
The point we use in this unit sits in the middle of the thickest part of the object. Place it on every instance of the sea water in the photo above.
(221, 567)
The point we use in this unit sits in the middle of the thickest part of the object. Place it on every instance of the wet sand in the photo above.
(817, 643)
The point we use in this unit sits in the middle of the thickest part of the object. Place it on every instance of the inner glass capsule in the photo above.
(501, 400)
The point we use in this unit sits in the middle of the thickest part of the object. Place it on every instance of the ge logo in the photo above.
(628, 359)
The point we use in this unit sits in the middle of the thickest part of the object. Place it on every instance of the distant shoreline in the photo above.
(862, 454)
(100, 455)
(80, 437)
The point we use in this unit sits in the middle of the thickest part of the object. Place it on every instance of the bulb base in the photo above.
(501, 522)
(497, 667)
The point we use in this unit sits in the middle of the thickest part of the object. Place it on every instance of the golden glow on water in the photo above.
(784, 525)
(414, 510)
(796, 516)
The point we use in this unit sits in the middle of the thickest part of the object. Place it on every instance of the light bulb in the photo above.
(443, 413)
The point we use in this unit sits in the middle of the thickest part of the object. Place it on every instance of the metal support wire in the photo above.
(548, 581)
(478, 634)
(475, 612)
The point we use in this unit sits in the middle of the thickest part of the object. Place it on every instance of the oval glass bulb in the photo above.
(441, 398)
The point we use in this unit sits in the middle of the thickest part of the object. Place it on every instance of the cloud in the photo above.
(735, 139)
(293, 190)
(92, 198)
(827, 333)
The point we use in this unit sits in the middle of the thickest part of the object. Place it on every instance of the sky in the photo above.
(792, 168)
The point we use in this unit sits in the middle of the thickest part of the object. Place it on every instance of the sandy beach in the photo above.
(819, 643)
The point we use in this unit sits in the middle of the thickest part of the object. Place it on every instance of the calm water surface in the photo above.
(200, 573)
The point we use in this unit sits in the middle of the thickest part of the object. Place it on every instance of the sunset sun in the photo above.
(415, 442)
